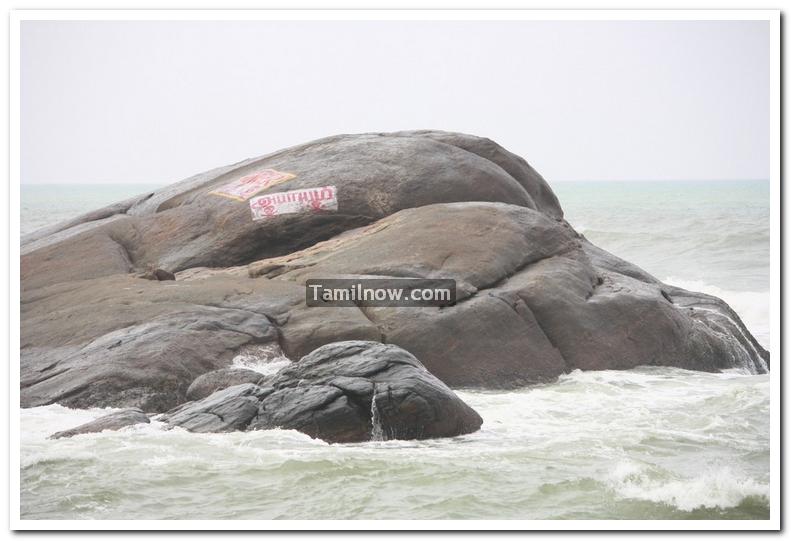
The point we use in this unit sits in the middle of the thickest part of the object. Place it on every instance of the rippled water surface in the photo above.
(644, 443)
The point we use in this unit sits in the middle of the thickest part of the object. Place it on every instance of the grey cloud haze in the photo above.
(160, 101)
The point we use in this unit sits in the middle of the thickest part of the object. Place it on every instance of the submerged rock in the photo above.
(112, 421)
(535, 299)
(342, 392)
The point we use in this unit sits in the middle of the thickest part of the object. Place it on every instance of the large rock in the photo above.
(535, 298)
(342, 392)
(111, 421)
(184, 226)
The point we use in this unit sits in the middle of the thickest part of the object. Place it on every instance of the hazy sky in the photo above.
(160, 101)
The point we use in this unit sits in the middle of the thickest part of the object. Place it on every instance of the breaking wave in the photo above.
(644, 443)
(714, 488)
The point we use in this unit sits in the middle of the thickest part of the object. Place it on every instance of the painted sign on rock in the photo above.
(298, 201)
(244, 188)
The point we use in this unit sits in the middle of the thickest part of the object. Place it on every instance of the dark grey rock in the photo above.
(226, 410)
(208, 383)
(356, 391)
(148, 364)
(112, 421)
(342, 392)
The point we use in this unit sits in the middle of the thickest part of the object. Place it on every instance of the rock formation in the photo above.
(535, 299)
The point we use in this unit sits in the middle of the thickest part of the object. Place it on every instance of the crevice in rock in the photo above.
(599, 282)
(538, 324)
(125, 251)
(523, 266)
(356, 400)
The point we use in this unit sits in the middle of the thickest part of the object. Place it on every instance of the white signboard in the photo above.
(295, 202)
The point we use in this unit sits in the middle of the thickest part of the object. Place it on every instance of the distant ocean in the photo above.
(649, 443)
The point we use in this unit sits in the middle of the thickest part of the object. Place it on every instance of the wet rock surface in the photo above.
(225, 410)
(112, 421)
(535, 299)
(208, 383)
(342, 392)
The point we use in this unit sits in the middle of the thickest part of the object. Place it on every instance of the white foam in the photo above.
(714, 488)
(752, 306)
(644, 434)
(266, 359)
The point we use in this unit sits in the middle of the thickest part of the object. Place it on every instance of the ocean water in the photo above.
(648, 443)
(48, 204)
(704, 236)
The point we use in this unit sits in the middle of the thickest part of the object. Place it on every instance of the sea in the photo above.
(647, 443)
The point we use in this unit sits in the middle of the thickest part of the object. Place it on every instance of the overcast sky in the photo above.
(159, 101)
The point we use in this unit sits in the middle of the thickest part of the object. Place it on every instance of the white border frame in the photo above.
(18, 16)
